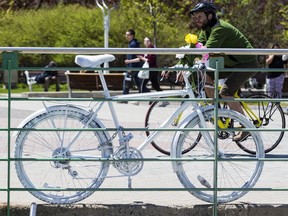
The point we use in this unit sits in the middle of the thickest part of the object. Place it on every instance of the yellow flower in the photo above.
(191, 38)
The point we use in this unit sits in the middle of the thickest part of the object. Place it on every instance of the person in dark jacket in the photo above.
(152, 60)
(46, 77)
(131, 77)
(153, 75)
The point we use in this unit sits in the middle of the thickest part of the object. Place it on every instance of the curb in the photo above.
(149, 209)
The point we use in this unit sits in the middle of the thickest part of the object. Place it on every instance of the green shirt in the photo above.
(224, 35)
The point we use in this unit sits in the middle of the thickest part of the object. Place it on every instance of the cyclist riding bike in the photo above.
(216, 33)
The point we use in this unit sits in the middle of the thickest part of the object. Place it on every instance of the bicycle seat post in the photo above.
(95, 61)
(104, 84)
(110, 103)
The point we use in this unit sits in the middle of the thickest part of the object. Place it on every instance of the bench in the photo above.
(30, 82)
(91, 81)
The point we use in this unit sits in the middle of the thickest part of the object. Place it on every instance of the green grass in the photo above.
(35, 88)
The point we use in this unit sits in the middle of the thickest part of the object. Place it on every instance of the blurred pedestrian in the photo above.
(131, 77)
(274, 79)
(153, 75)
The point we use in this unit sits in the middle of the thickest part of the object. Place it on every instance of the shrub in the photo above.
(63, 27)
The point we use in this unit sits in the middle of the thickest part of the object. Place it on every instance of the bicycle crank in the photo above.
(126, 161)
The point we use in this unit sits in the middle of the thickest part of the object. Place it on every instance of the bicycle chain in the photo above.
(99, 146)
(105, 143)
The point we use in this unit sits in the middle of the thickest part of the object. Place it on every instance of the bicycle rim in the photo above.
(272, 117)
(236, 171)
(79, 176)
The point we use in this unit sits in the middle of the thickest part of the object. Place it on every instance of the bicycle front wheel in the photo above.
(158, 113)
(227, 168)
(271, 116)
(63, 162)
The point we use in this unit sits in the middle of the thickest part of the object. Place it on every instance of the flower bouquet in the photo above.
(192, 42)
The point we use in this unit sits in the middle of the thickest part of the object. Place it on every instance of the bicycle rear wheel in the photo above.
(198, 170)
(35, 146)
(158, 113)
(272, 117)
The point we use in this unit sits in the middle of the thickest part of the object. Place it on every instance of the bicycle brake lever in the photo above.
(202, 67)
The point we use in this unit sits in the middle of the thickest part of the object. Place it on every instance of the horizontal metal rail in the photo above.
(11, 64)
(162, 51)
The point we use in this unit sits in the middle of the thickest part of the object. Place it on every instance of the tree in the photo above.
(259, 20)
(37, 4)
(154, 14)
(284, 22)
(56, 24)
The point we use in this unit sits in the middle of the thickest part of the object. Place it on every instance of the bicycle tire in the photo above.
(196, 170)
(272, 115)
(53, 176)
(155, 116)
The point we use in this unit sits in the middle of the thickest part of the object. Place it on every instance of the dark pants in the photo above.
(234, 80)
(129, 80)
(154, 78)
(49, 79)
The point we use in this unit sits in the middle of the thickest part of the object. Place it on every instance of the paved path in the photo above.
(154, 174)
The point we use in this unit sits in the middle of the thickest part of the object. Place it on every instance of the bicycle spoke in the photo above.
(71, 166)
(234, 169)
(271, 116)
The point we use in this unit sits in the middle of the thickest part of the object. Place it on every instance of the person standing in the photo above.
(275, 80)
(153, 75)
(152, 61)
(131, 77)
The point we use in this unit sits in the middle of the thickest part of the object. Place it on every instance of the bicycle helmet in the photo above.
(204, 7)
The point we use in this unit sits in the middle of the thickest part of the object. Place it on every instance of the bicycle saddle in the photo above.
(93, 60)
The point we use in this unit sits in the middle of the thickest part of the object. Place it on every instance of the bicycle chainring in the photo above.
(126, 161)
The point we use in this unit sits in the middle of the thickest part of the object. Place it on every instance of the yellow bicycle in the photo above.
(262, 112)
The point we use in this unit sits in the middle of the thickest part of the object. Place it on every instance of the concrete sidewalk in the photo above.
(99, 94)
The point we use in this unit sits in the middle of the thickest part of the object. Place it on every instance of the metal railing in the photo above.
(10, 57)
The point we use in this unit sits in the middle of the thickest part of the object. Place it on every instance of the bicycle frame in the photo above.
(256, 120)
(124, 139)
(186, 91)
